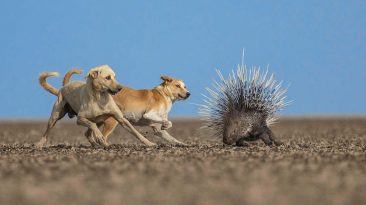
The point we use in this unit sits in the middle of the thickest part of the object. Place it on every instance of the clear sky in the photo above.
(316, 47)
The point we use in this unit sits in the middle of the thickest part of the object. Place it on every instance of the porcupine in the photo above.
(241, 108)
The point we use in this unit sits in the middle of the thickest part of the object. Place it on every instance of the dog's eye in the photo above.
(178, 86)
(108, 78)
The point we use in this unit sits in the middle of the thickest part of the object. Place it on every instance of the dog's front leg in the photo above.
(95, 131)
(166, 136)
(154, 117)
(127, 125)
(90, 136)
(166, 125)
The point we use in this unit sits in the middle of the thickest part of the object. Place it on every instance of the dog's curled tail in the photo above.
(69, 74)
(45, 85)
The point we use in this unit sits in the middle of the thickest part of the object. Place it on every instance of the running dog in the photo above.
(91, 102)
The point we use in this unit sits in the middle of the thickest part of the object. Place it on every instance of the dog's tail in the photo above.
(45, 85)
(69, 74)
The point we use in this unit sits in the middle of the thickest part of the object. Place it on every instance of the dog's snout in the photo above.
(188, 94)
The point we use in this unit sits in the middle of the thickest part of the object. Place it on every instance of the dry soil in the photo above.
(323, 161)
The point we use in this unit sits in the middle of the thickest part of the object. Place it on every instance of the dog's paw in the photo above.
(166, 125)
(150, 144)
(93, 141)
(182, 144)
(91, 138)
(100, 140)
(39, 145)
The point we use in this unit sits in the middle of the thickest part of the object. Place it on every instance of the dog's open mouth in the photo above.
(112, 92)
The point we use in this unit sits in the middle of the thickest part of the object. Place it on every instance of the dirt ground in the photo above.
(323, 161)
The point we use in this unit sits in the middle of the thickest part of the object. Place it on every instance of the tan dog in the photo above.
(147, 107)
(91, 101)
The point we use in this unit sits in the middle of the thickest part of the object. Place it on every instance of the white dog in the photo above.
(91, 101)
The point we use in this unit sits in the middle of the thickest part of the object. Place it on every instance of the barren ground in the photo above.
(323, 161)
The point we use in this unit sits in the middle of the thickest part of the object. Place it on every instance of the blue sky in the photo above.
(317, 47)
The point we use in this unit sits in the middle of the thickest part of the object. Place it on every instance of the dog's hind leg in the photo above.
(166, 136)
(58, 112)
(108, 127)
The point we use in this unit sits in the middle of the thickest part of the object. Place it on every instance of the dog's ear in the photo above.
(93, 73)
(166, 78)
